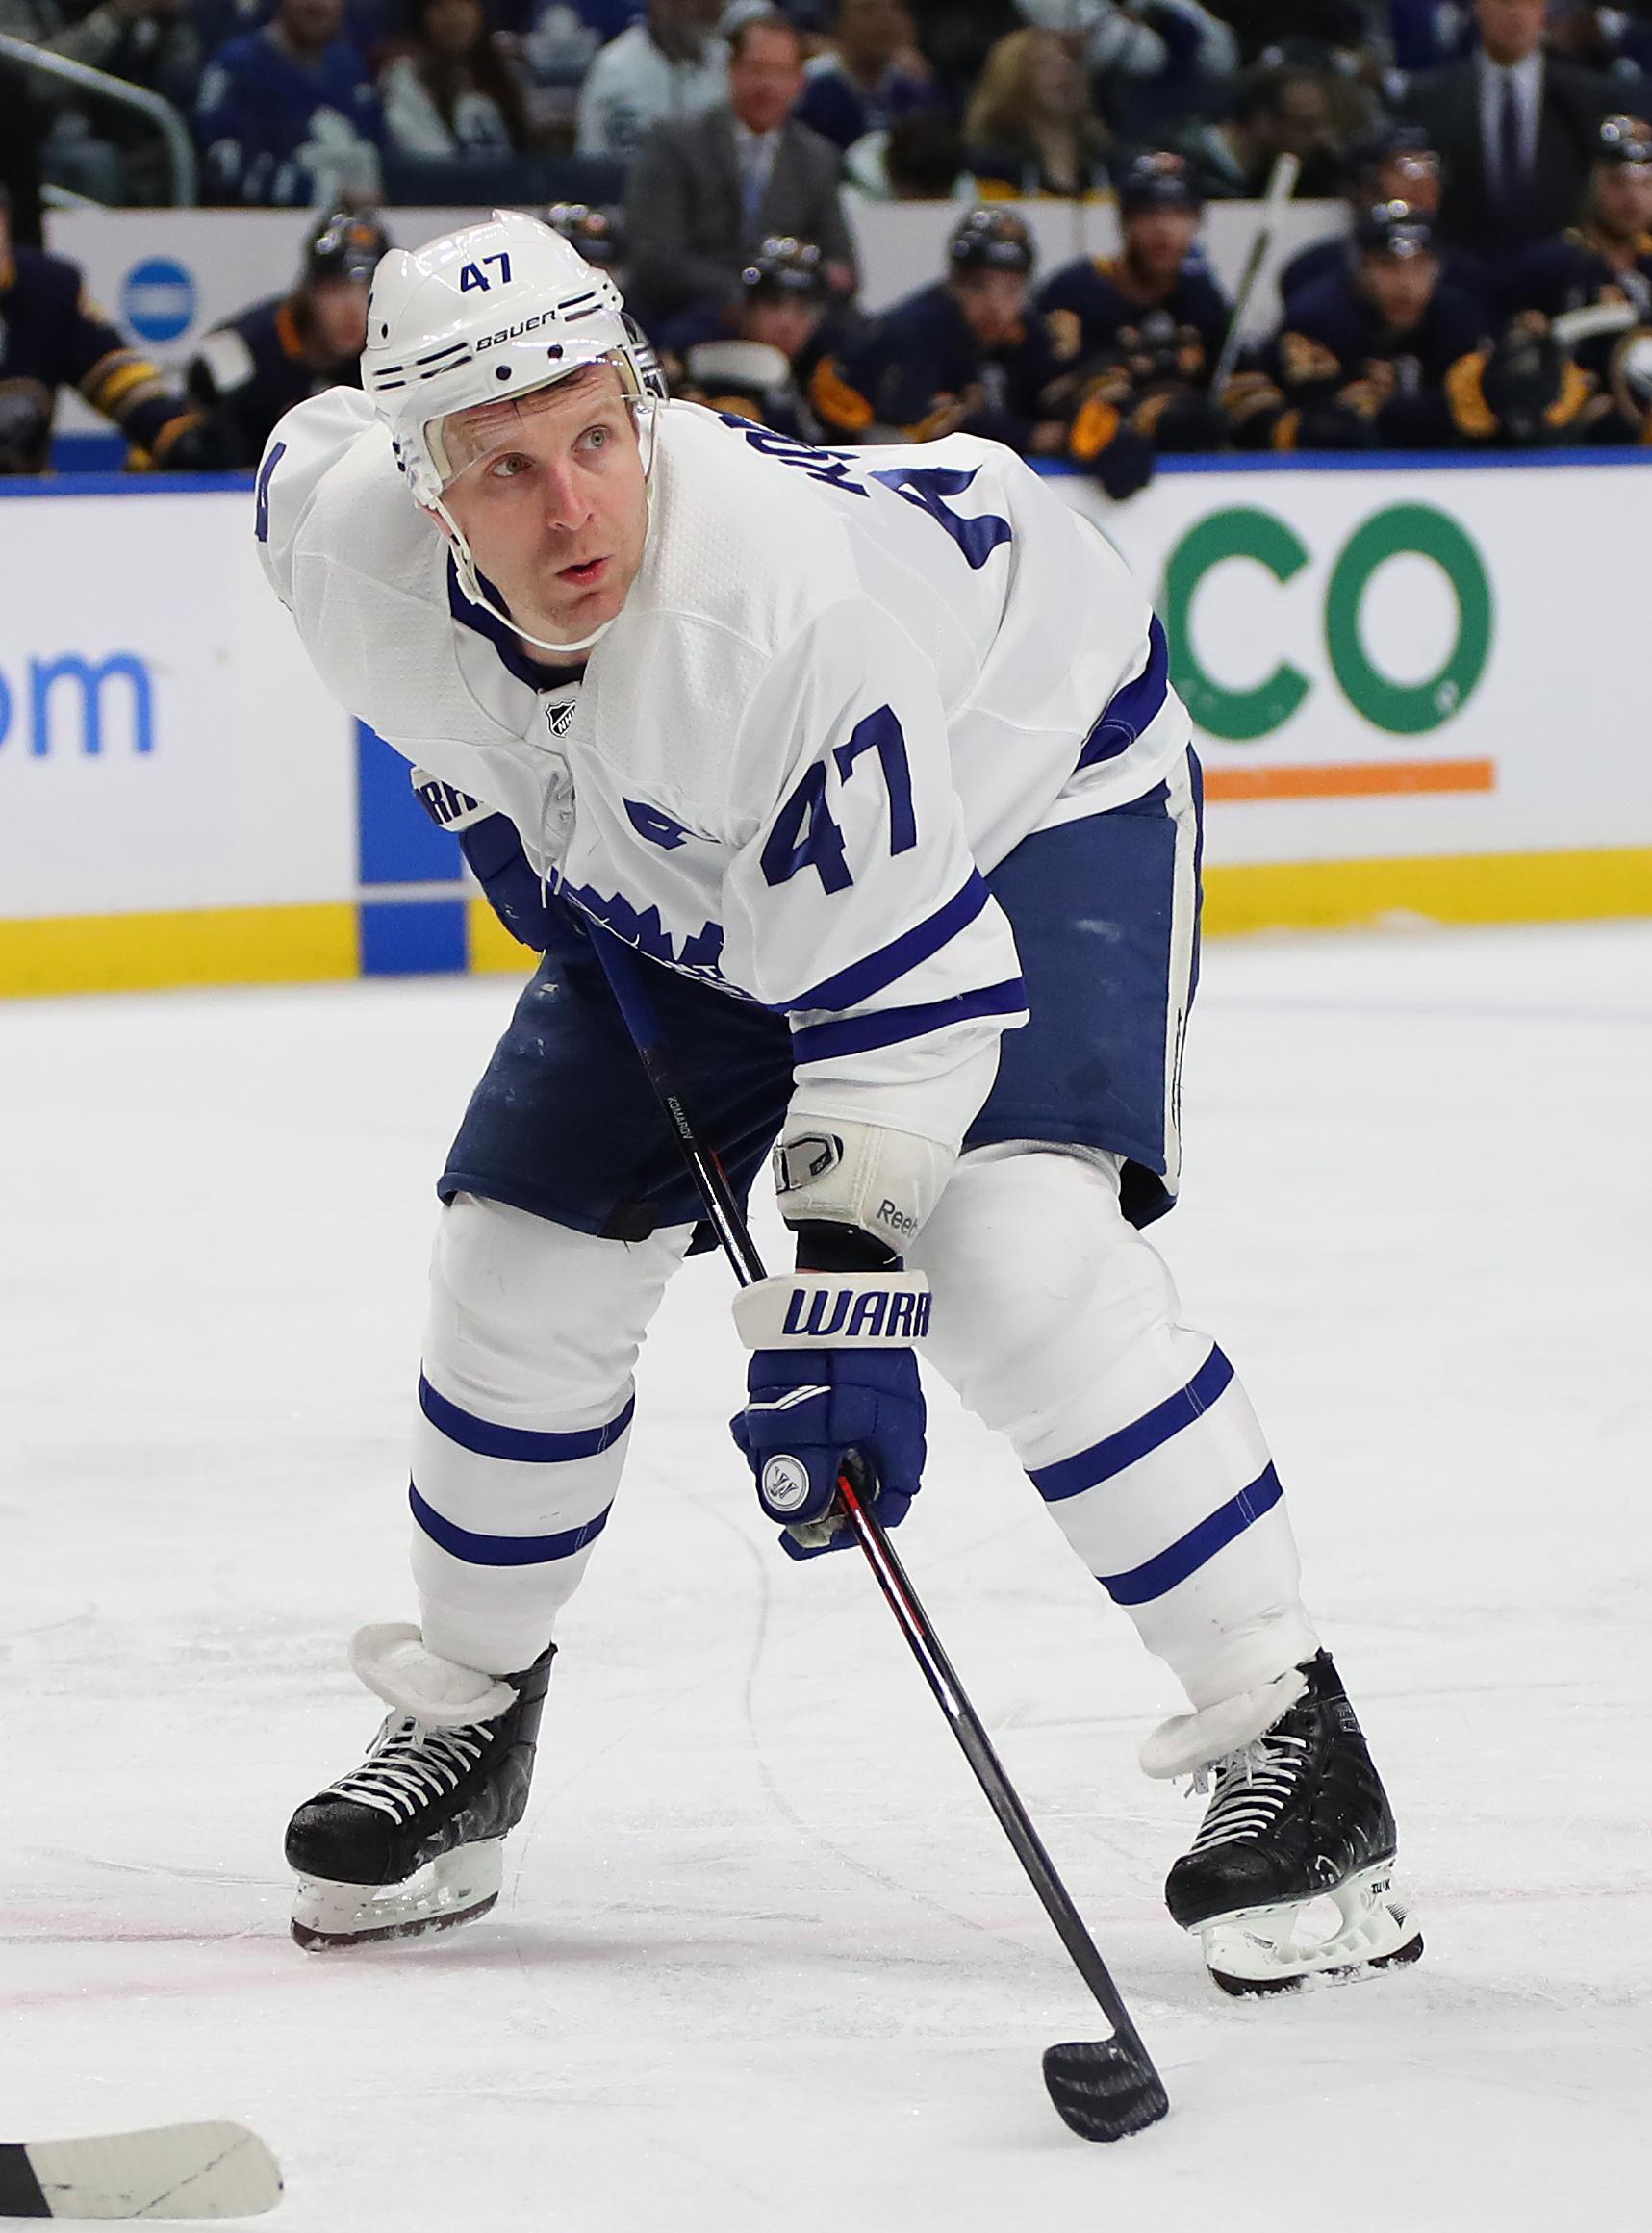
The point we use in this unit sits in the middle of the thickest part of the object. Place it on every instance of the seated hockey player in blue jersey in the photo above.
(961, 356)
(871, 758)
(247, 372)
(1144, 329)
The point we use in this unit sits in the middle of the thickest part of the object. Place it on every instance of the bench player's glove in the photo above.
(833, 1378)
(493, 853)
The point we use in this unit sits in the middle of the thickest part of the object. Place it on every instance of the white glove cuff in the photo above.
(834, 1311)
(842, 1173)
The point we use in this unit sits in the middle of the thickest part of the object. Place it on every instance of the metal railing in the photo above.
(161, 112)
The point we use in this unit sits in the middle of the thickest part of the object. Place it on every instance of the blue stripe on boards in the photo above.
(1072, 1476)
(521, 1443)
(862, 978)
(1134, 707)
(853, 1034)
(503, 1550)
(1197, 1547)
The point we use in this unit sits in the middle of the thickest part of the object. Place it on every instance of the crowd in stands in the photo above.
(1491, 284)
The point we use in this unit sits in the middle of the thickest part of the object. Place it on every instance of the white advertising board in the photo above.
(164, 743)
(1413, 661)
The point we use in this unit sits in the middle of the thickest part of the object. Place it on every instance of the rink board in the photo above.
(1405, 678)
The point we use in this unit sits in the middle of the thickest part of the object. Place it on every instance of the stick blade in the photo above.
(166, 2171)
(1103, 2088)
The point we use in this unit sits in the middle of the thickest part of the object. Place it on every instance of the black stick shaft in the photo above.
(729, 1223)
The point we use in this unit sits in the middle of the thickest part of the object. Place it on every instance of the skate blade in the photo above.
(454, 1889)
(1272, 1950)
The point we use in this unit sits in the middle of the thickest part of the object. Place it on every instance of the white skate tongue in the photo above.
(1189, 1742)
(391, 1659)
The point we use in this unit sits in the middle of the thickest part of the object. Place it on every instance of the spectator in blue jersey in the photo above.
(1387, 355)
(1144, 328)
(287, 115)
(451, 91)
(53, 336)
(1030, 129)
(961, 356)
(251, 370)
(666, 69)
(871, 74)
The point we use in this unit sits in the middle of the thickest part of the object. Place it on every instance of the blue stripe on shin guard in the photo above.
(520, 1444)
(1072, 1476)
(1197, 1547)
(503, 1550)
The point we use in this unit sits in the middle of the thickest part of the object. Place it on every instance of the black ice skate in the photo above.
(411, 1840)
(1299, 1826)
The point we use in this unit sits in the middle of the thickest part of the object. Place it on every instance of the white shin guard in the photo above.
(1057, 1324)
(525, 1412)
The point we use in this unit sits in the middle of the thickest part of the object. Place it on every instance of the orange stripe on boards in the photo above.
(1372, 779)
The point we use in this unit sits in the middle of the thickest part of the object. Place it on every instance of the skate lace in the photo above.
(410, 1765)
(1253, 1786)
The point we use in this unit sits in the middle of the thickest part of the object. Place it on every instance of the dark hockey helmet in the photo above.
(784, 270)
(345, 245)
(1624, 139)
(990, 239)
(1160, 181)
(596, 233)
(1394, 229)
(1409, 146)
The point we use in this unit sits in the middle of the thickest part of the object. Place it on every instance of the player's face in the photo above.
(553, 498)
(338, 308)
(1623, 199)
(1402, 287)
(1159, 240)
(312, 22)
(787, 325)
(991, 303)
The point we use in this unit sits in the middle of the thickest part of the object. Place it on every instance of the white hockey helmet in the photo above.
(487, 314)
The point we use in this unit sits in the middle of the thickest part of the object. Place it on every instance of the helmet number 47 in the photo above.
(473, 277)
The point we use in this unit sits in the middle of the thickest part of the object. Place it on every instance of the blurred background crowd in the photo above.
(1488, 284)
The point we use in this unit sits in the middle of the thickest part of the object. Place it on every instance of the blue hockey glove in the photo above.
(493, 853)
(833, 1378)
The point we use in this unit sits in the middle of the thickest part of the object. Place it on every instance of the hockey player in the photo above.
(871, 760)
(759, 370)
(53, 336)
(959, 356)
(247, 372)
(1146, 326)
(1389, 355)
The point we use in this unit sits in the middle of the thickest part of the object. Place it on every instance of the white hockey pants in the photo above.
(1053, 1319)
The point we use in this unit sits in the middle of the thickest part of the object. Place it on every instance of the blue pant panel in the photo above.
(564, 1123)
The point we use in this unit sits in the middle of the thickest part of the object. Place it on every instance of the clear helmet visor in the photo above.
(459, 442)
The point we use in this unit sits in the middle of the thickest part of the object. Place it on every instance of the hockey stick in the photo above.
(1282, 185)
(170, 2170)
(1103, 2088)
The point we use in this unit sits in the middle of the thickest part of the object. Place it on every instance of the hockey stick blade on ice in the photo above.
(1101, 2089)
(165, 2172)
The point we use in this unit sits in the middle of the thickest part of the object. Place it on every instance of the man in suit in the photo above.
(706, 191)
(1516, 129)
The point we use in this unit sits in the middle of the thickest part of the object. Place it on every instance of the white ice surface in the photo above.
(763, 1959)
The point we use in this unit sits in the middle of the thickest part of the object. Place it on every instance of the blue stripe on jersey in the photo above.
(1132, 708)
(1195, 1548)
(862, 978)
(519, 1442)
(1072, 1476)
(854, 1034)
(503, 1550)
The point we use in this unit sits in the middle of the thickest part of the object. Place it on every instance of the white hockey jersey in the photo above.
(844, 684)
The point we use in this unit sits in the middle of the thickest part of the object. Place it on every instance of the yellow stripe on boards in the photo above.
(197, 946)
(1534, 887)
(492, 948)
